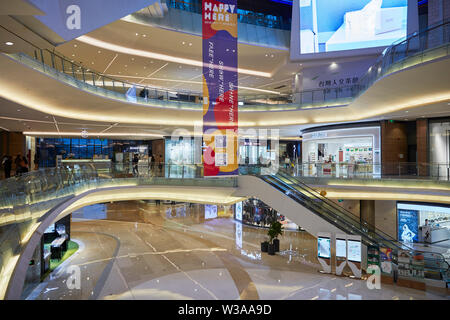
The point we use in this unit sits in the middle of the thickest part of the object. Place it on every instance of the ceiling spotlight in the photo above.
(75, 46)
(190, 44)
(73, 54)
(137, 33)
(271, 55)
(92, 62)
(126, 65)
(144, 35)
(19, 110)
(183, 42)
(9, 43)
(132, 59)
(99, 51)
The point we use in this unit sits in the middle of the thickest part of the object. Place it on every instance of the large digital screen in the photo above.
(327, 26)
(408, 225)
(341, 248)
(210, 211)
(323, 249)
(354, 250)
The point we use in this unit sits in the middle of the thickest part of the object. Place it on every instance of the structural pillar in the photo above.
(423, 168)
(394, 148)
(367, 213)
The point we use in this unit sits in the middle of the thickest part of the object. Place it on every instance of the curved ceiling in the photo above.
(414, 92)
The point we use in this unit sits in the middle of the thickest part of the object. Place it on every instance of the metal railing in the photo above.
(27, 198)
(395, 170)
(418, 48)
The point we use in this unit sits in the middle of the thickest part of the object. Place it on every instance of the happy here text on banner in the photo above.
(220, 88)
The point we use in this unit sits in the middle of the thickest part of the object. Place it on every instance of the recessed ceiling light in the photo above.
(73, 54)
(126, 65)
(183, 42)
(190, 44)
(19, 110)
(271, 55)
(99, 51)
(144, 35)
(137, 33)
(145, 67)
(92, 62)
(9, 43)
(75, 46)
(132, 59)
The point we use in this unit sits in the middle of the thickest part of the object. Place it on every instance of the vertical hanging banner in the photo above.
(220, 88)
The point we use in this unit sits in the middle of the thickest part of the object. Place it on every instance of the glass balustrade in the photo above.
(418, 48)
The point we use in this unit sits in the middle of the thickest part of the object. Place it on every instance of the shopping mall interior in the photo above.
(225, 150)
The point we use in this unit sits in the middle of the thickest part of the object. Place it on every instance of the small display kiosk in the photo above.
(354, 253)
(341, 253)
(324, 251)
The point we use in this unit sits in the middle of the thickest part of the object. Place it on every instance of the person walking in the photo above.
(136, 164)
(7, 164)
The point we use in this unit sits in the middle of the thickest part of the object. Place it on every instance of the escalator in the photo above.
(328, 216)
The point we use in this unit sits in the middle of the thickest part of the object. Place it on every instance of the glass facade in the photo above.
(77, 148)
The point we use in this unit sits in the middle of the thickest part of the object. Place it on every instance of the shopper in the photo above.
(7, 164)
(36, 161)
(136, 164)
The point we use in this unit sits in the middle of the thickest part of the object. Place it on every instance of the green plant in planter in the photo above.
(274, 231)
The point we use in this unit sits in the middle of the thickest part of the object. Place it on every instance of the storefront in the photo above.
(343, 151)
(423, 223)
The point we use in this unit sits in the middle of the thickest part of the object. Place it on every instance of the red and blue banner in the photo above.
(220, 88)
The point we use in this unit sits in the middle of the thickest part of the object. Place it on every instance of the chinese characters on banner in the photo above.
(220, 91)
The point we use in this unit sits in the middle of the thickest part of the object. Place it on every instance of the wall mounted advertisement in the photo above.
(373, 256)
(408, 225)
(324, 251)
(210, 211)
(386, 261)
(404, 263)
(220, 88)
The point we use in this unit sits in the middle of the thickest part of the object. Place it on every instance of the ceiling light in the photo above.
(132, 59)
(19, 110)
(73, 54)
(137, 33)
(126, 65)
(190, 44)
(144, 35)
(74, 45)
(99, 51)
(92, 62)
(9, 43)
(183, 42)
(159, 56)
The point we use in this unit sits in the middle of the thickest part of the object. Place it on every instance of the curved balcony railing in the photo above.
(26, 199)
(418, 48)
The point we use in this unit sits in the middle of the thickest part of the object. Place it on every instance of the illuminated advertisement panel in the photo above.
(210, 211)
(341, 248)
(239, 211)
(324, 247)
(354, 251)
(352, 24)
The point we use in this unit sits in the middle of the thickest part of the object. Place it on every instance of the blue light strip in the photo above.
(289, 2)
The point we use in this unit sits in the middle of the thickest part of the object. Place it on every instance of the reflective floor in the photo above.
(139, 250)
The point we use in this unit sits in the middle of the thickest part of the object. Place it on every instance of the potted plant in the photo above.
(264, 246)
(275, 230)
